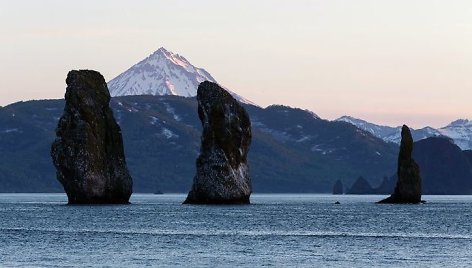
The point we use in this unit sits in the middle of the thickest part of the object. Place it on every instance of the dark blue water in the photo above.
(38, 230)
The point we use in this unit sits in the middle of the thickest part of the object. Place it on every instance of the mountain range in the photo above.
(293, 150)
(460, 131)
(444, 168)
(167, 73)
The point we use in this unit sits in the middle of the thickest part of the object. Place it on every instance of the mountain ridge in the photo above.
(292, 150)
(460, 131)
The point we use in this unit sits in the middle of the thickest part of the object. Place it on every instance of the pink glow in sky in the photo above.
(390, 62)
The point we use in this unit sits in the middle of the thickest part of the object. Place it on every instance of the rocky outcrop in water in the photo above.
(88, 150)
(338, 187)
(222, 172)
(361, 186)
(408, 187)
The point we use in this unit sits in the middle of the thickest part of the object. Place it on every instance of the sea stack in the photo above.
(222, 172)
(408, 188)
(88, 149)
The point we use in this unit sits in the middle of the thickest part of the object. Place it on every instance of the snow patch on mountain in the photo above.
(171, 111)
(376, 130)
(460, 131)
(154, 120)
(10, 130)
(169, 134)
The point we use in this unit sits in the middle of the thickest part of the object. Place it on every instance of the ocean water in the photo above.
(39, 230)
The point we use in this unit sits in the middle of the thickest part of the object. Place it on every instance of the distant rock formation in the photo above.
(222, 171)
(88, 150)
(445, 168)
(408, 188)
(338, 187)
(361, 186)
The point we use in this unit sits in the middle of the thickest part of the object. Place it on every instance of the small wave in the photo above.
(245, 233)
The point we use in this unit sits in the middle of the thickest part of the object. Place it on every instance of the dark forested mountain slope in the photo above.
(444, 169)
(292, 150)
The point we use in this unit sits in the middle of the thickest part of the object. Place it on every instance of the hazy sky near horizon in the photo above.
(390, 62)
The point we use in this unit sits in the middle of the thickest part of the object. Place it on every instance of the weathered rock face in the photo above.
(88, 150)
(408, 188)
(338, 187)
(222, 171)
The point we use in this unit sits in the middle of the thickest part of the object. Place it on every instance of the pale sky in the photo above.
(389, 62)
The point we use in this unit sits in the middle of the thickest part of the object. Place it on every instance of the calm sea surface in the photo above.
(39, 230)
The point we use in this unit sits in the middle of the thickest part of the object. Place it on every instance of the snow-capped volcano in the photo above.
(162, 73)
(460, 131)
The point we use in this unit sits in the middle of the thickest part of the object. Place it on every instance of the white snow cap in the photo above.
(162, 73)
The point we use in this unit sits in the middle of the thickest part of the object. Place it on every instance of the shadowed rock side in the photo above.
(222, 171)
(408, 188)
(88, 149)
(338, 187)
